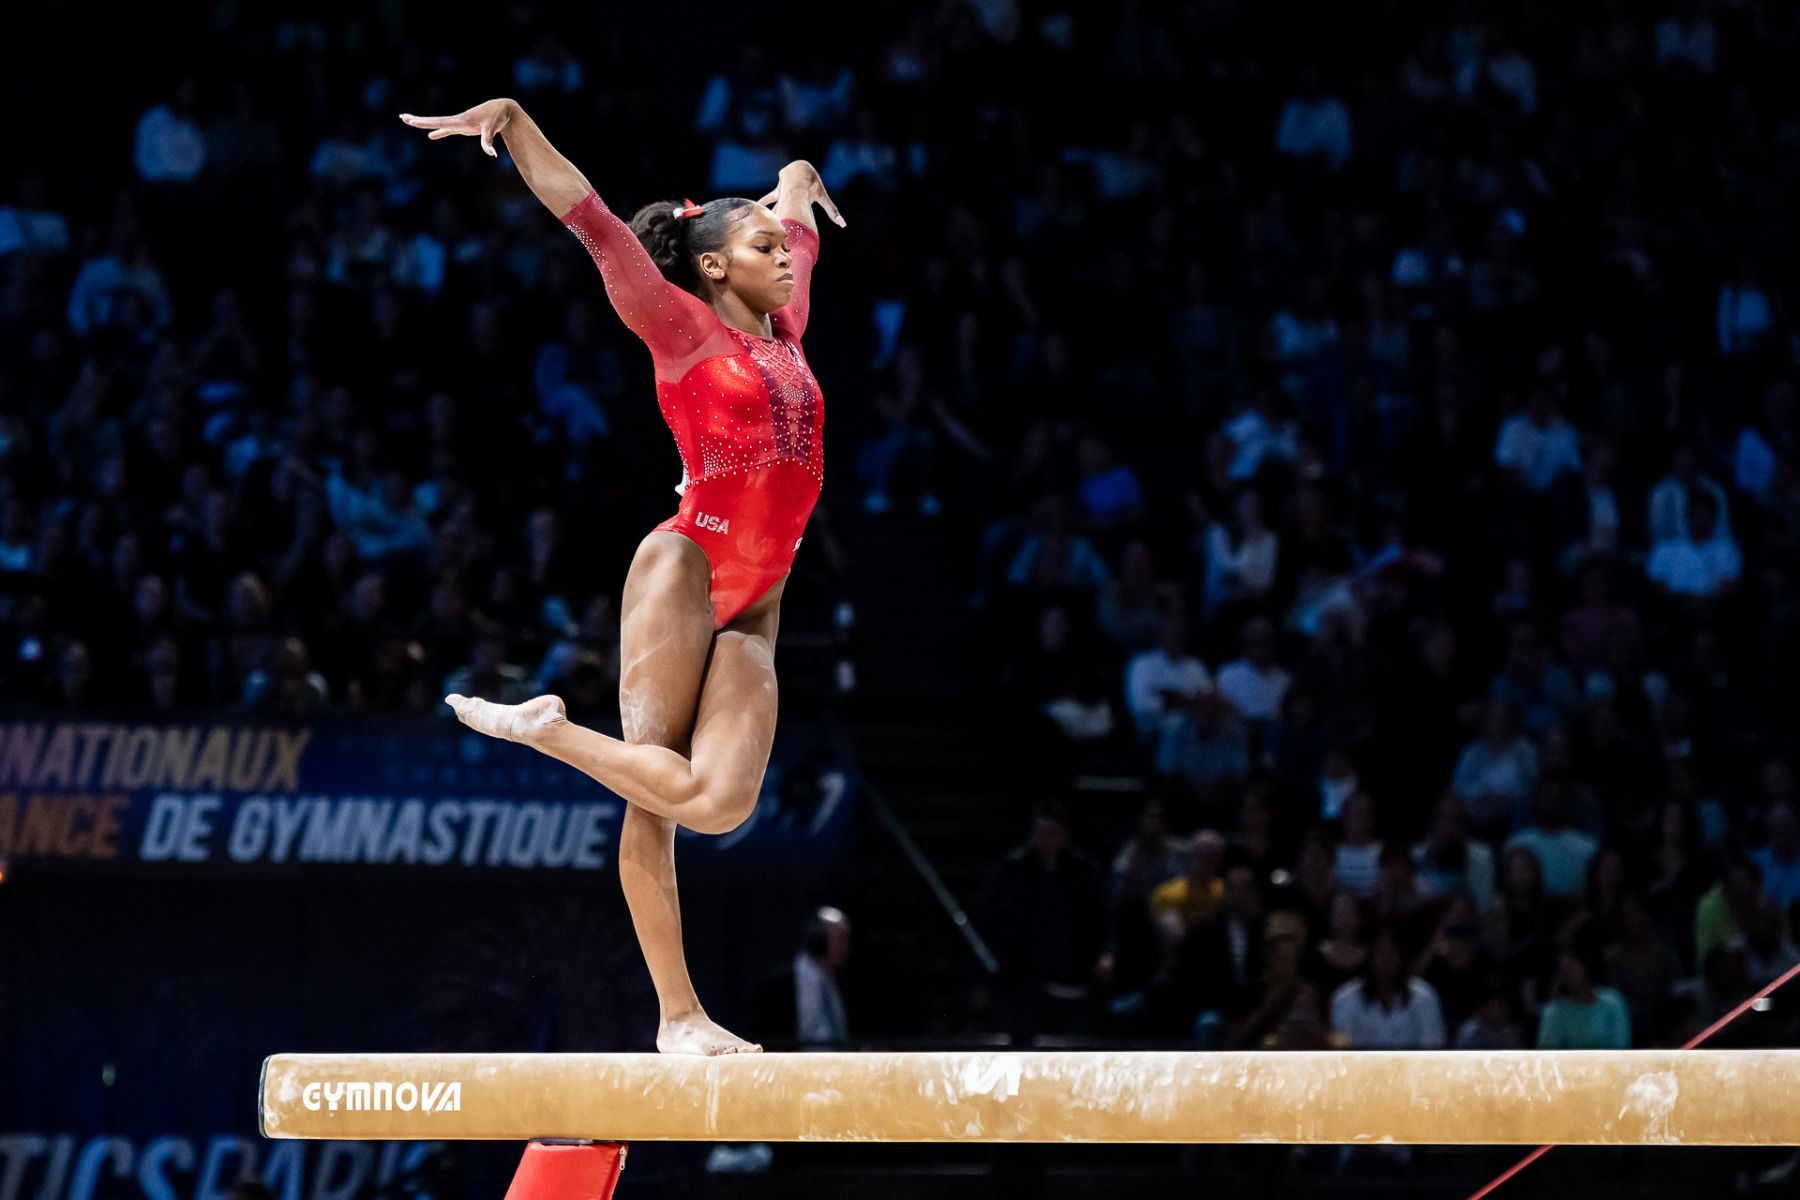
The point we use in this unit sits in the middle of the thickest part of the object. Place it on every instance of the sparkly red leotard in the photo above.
(746, 412)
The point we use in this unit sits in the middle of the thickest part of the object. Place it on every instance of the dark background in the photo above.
(1489, 336)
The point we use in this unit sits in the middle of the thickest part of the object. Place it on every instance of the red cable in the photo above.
(1702, 1036)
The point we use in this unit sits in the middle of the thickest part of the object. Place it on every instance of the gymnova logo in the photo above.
(384, 1096)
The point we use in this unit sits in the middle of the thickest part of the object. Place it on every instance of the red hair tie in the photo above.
(692, 210)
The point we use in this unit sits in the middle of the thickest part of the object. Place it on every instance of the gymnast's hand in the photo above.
(483, 121)
(801, 187)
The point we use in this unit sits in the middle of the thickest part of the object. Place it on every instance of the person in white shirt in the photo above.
(1743, 315)
(1504, 69)
(1388, 1009)
(1255, 684)
(1161, 683)
(29, 225)
(1704, 564)
(1688, 41)
(1314, 123)
(1240, 555)
(1357, 860)
(169, 146)
(104, 281)
(1538, 444)
(1496, 772)
(1667, 508)
(1765, 449)
(1450, 862)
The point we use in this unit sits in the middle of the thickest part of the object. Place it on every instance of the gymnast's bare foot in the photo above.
(514, 722)
(697, 1034)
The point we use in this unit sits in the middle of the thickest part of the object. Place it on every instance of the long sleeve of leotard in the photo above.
(803, 251)
(672, 321)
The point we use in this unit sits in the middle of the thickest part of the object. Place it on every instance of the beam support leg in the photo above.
(568, 1170)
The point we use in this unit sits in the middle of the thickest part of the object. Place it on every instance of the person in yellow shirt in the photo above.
(1726, 908)
(1181, 903)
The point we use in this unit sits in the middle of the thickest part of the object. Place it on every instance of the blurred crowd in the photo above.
(1409, 494)
(1373, 424)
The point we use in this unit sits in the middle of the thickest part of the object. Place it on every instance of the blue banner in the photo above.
(61, 1166)
(399, 794)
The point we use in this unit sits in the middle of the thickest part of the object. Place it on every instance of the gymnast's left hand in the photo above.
(801, 180)
(483, 121)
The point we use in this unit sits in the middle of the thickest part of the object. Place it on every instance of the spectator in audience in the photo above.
(1518, 931)
(1538, 444)
(72, 687)
(1271, 1023)
(1357, 862)
(1054, 556)
(1668, 503)
(1150, 858)
(1343, 950)
(1193, 897)
(1580, 1015)
(1451, 862)
(1338, 777)
(1491, 1026)
(1779, 858)
(169, 145)
(1768, 952)
(487, 673)
(1562, 853)
(1642, 967)
(1454, 965)
(1726, 908)
(1065, 681)
(1132, 610)
(1387, 1008)
(287, 687)
(1217, 968)
(1532, 684)
(1110, 493)
(1706, 563)
(1588, 631)
(1676, 880)
(1161, 684)
(1314, 124)
(819, 1012)
(1206, 749)
(1241, 556)
(1046, 917)
(121, 290)
(1255, 684)
(1497, 772)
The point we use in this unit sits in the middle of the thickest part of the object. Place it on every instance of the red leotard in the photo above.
(746, 411)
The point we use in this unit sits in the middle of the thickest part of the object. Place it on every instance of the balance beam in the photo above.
(1571, 1097)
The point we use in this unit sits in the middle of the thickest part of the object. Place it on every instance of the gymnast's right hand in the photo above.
(483, 121)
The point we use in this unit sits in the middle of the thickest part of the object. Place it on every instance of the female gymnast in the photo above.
(719, 292)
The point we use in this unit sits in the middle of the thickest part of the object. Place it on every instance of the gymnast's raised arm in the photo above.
(798, 189)
(671, 321)
(552, 178)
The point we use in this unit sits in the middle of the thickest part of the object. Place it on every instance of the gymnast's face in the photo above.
(755, 264)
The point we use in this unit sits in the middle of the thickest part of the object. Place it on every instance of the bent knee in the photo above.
(722, 811)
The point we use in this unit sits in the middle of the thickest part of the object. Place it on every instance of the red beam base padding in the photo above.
(568, 1171)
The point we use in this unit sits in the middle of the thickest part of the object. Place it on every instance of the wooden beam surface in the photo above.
(1697, 1098)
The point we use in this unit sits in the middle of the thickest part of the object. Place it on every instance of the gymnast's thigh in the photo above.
(665, 640)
